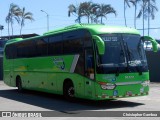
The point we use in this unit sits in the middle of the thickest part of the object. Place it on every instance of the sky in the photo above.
(58, 16)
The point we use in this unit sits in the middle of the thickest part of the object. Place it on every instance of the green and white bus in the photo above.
(88, 61)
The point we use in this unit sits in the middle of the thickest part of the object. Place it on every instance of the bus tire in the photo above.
(19, 85)
(68, 91)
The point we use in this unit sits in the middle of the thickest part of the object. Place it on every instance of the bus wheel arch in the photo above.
(19, 83)
(68, 89)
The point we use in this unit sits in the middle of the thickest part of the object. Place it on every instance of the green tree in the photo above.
(13, 14)
(25, 16)
(103, 10)
(86, 10)
(73, 10)
(92, 11)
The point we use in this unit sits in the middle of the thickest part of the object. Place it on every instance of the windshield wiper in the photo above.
(128, 57)
(127, 53)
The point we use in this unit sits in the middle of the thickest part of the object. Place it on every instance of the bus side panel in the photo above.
(8, 66)
(32, 72)
(6, 71)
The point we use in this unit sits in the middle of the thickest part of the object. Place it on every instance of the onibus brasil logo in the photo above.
(59, 63)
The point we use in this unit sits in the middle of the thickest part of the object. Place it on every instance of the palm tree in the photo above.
(152, 8)
(148, 9)
(85, 9)
(72, 9)
(14, 13)
(124, 7)
(25, 16)
(94, 12)
(135, 3)
(91, 10)
(103, 11)
(82, 10)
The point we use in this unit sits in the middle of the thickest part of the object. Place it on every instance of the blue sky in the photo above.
(58, 15)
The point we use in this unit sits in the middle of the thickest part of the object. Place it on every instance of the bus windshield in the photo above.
(123, 53)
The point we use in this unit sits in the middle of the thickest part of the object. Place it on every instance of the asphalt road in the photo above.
(11, 100)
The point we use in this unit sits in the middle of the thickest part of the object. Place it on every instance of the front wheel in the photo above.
(69, 92)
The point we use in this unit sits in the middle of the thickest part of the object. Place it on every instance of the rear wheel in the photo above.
(69, 92)
(19, 85)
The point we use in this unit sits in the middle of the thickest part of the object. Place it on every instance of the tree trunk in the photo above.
(22, 22)
(148, 17)
(135, 16)
(101, 20)
(88, 19)
(79, 19)
(21, 30)
(12, 28)
(125, 14)
(143, 17)
(8, 30)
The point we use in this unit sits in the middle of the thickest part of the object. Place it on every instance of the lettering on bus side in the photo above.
(129, 77)
(59, 63)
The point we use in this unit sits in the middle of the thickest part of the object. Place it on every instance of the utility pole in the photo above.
(47, 19)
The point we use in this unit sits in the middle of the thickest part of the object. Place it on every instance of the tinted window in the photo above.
(11, 51)
(73, 46)
(87, 39)
(42, 46)
(26, 49)
(73, 42)
(55, 45)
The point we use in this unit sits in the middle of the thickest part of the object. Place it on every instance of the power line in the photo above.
(149, 28)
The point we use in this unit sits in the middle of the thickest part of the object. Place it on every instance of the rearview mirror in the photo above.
(100, 44)
(155, 45)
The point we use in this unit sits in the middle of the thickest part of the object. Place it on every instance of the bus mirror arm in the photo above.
(100, 44)
(155, 45)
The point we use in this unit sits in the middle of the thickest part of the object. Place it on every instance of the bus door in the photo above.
(89, 72)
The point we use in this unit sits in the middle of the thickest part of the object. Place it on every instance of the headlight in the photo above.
(145, 83)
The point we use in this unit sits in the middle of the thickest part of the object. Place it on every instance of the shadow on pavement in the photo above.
(58, 103)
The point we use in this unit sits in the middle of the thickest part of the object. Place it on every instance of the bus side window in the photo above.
(55, 46)
(10, 51)
(42, 46)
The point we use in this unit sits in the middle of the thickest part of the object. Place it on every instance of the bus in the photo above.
(89, 61)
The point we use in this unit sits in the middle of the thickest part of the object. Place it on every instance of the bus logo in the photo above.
(59, 63)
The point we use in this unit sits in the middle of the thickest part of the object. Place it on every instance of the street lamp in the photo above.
(47, 19)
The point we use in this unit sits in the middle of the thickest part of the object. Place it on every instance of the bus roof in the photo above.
(93, 28)
(96, 29)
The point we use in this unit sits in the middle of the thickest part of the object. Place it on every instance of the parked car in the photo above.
(148, 45)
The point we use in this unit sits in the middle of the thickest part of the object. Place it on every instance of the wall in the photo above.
(154, 65)
(1, 68)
